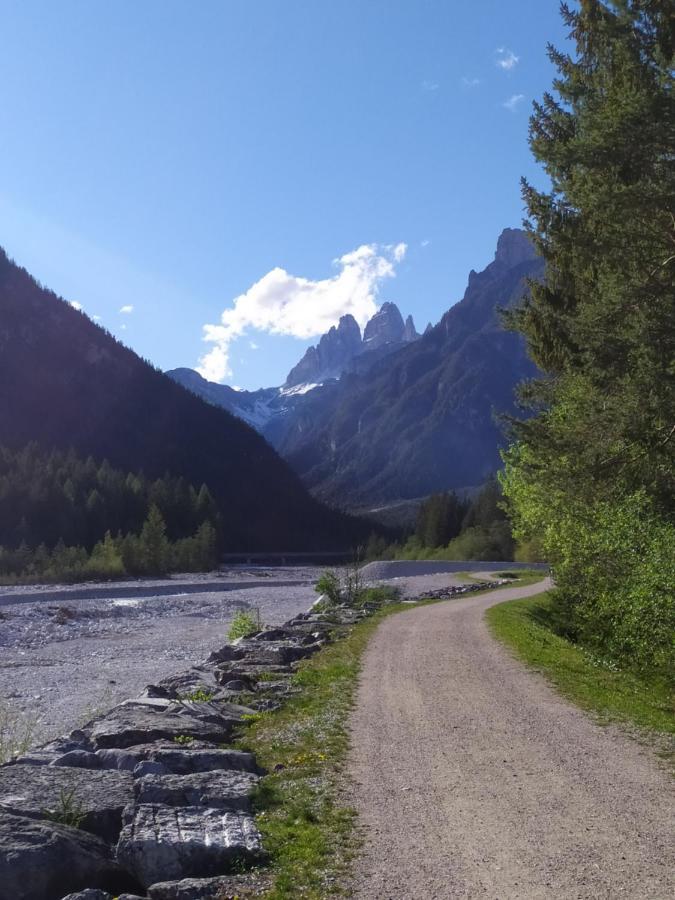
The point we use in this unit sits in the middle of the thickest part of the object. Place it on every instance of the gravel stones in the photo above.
(96, 798)
(152, 778)
(161, 843)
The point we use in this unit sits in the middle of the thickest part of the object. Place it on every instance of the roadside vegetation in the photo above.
(16, 732)
(244, 624)
(595, 683)
(591, 474)
(449, 527)
(307, 829)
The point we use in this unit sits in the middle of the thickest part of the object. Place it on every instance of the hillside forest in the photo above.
(66, 519)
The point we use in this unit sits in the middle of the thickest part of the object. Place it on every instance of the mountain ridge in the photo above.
(66, 382)
(386, 429)
(423, 420)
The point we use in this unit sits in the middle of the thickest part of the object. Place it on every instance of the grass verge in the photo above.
(519, 577)
(306, 829)
(613, 695)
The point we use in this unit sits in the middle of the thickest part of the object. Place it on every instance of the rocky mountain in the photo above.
(65, 382)
(424, 418)
(342, 349)
(339, 350)
(331, 357)
(409, 414)
(386, 327)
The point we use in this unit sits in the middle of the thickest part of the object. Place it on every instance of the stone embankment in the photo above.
(150, 798)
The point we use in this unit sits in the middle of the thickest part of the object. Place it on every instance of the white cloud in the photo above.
(513, 102)
(76, 305)
(253, 345)
(281, 303)
(430, 85)
(506, 59)
(96, 318)
(470, 82)
(425, 242)
(126, 310)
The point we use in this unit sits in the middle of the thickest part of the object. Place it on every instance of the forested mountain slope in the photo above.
(65, 382)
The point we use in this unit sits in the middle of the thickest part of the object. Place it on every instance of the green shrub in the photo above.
(613, 559)
(244, 624)
(329, 585)
(378, 597)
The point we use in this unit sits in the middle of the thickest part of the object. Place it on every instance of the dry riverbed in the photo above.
(67, 652)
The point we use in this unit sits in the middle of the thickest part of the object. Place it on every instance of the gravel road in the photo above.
(473, 778)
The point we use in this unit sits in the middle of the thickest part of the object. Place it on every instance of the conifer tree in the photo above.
(592, 474)
(154, 545)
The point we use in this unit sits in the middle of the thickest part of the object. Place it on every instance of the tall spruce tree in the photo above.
(593, 472)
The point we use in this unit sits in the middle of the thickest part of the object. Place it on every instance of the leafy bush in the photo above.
(614, 565)
(341, 587)
(482, 544)
(346, 588)
(377, 597)
(244, 624)
(16, 733)
(329, 585)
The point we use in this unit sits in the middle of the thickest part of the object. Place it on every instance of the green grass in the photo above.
(306, 829)
(612, 694)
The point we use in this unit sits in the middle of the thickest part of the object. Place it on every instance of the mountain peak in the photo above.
(410, 333)
(330, 357)
(386, 327)
(514, 247)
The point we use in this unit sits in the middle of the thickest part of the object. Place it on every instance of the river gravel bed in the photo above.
(67, 653)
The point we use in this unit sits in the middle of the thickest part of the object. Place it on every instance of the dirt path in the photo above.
(474, 779)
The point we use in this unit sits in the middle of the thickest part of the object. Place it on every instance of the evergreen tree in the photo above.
(207, 546)
(154, 546)
(592, 474)
(440, 519)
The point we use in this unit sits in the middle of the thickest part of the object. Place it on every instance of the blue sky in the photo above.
(165, 158)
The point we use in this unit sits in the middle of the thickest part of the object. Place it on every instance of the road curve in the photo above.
(473, 778)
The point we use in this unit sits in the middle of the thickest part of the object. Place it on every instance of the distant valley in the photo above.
(342, 349)
(391, 415)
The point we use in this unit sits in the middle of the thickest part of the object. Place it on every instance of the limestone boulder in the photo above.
(186, 761)
(89, 894)
(220, 789)
(41, 860)
(163, 843)
(222, 887)
(95, 798)
(137, 723)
